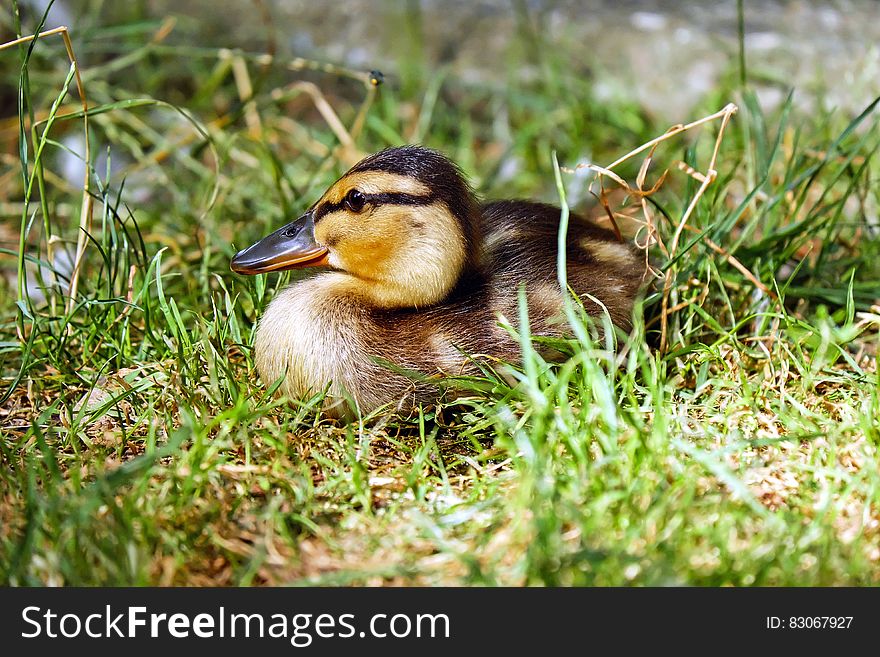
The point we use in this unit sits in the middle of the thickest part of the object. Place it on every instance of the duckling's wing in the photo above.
(520, 246)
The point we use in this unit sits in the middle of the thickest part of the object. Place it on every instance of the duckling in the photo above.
(420, 276)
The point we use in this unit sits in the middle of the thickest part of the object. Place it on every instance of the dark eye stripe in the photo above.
(399, 198)
(382, 198)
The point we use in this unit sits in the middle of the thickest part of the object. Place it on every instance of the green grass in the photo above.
(139, 447)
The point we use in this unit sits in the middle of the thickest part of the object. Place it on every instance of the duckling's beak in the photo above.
(290, 247)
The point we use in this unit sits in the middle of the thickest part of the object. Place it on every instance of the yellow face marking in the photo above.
(374, 182)
(403, 255)
(398, 255)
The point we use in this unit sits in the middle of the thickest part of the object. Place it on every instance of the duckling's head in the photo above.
(403, 223)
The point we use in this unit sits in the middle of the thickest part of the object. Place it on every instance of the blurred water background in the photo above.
(666, 55)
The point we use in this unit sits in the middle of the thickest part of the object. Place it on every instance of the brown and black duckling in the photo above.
(420, 275)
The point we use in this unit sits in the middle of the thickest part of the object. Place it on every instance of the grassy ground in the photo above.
(139, 447)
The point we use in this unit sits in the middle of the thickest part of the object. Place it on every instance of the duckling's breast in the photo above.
(319, 334)
(308, 337)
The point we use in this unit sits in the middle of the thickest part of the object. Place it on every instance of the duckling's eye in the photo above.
(355, 200)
